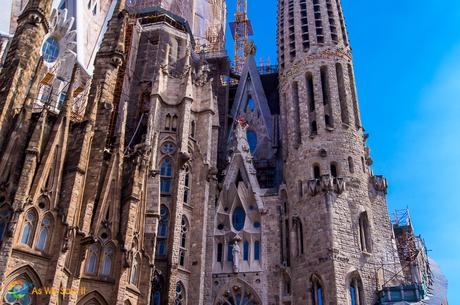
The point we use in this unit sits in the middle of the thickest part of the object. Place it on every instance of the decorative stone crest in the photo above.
(326, 184)
(380, 184)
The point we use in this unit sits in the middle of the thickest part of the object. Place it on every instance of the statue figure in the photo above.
(236, 256)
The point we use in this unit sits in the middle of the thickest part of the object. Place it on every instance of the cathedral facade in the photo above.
(157, 179)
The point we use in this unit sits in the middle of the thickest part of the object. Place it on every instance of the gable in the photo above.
(251, 102)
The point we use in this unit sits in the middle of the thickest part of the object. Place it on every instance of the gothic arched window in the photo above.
(220, 250)
(192, 128)
(44, 232)
(317, 291)
(107, 261)
(134, 276)
(93, 254)
(299, 236)
(168, 122)
(364, 234)
(29, 228)
(162, 231)
(156, 298)
(229, 252)
(238, 218)
(174, 123)
(166, 176)
(183, 241)
(250, 105)
(180, 294)
(187, 186)
(356, 290)
(257, 250)
(246, 250)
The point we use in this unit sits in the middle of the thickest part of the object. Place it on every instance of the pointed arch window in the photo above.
(166, 176)
(174, 123)
(168, 122)
(246, 251)
(299, 236)
(44, 232)
(134, 276)
(162, 231)
(187, 186)
(317, 291)
(29, 228)
(183, 241)
(229, 252)
(356, 292)
(250, 106)
(192, 128)
(257, 250)
(220, 250)
(180, 298)
(156, 298)
(107, 261)
(93, 254)
(157, 284)
(364, 234)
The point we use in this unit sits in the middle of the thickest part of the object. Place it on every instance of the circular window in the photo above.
(168, 148)
(256, 224)
(220, 227)
(238, 218)
(50, 50)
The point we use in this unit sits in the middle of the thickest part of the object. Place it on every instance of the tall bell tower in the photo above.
(335, 203)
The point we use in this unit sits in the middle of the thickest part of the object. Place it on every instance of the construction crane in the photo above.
(241, 30)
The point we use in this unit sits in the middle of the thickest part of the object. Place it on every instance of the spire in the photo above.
(22, 63)
(113, 43)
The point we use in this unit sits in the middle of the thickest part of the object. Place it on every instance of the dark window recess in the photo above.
(266, 173)
(314, 128)
(316, 171)
(310, 92)
(334, 170)
(220, 249)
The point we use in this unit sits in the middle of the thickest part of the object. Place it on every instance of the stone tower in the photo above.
(333, 196)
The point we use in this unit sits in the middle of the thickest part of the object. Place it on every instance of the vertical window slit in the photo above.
(342, 94)
(354, 96)
(296, 101)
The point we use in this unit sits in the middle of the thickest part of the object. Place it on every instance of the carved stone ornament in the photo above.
(380, 184)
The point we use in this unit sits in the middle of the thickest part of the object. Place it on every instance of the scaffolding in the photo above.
(241, 30)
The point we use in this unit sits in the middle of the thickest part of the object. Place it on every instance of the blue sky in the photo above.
(407, 65)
